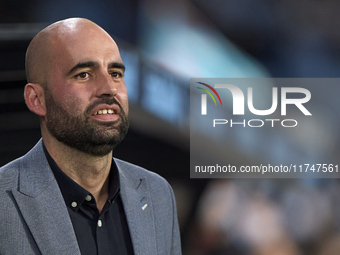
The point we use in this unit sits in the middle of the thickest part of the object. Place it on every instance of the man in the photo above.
(68, 195)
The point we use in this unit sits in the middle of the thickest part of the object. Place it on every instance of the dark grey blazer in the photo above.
(34, 218)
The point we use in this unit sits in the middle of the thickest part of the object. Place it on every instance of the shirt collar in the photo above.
(75, 195)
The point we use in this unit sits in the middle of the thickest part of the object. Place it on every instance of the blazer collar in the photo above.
(138, 208)
(42, 206)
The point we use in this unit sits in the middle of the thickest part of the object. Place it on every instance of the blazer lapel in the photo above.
(139, 212)
(42, 206)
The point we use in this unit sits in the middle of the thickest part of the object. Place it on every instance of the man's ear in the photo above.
(35, 98)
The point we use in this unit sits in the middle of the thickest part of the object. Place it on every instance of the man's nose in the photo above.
(106, 86)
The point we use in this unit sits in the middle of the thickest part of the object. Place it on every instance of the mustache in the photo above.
(104, 100)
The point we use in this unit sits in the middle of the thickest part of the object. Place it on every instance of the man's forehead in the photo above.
(76, 31)
(83, 48)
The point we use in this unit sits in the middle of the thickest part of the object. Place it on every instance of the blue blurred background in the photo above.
(164, 44)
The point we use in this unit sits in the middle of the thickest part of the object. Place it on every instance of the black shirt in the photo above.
(97, 233)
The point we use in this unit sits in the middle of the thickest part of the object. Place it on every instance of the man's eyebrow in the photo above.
(81, 65)
(117, 65)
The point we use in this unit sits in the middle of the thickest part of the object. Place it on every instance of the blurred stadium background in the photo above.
(164, 44)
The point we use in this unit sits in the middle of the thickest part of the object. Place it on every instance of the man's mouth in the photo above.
(104, 111)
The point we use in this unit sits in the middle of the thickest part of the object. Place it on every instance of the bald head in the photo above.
(44, 47)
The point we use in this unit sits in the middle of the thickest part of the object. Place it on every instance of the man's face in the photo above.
(86, 97)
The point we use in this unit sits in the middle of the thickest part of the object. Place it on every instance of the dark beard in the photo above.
(77, 132)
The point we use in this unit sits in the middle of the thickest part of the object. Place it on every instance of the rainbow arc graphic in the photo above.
(204, 97)
(209, 93)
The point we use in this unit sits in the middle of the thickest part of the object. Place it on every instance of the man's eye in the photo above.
(82, 75)
(116, 75)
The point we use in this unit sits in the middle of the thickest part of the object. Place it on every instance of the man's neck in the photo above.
(90, 172)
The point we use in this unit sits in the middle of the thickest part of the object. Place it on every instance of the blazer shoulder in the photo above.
(26, 170)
